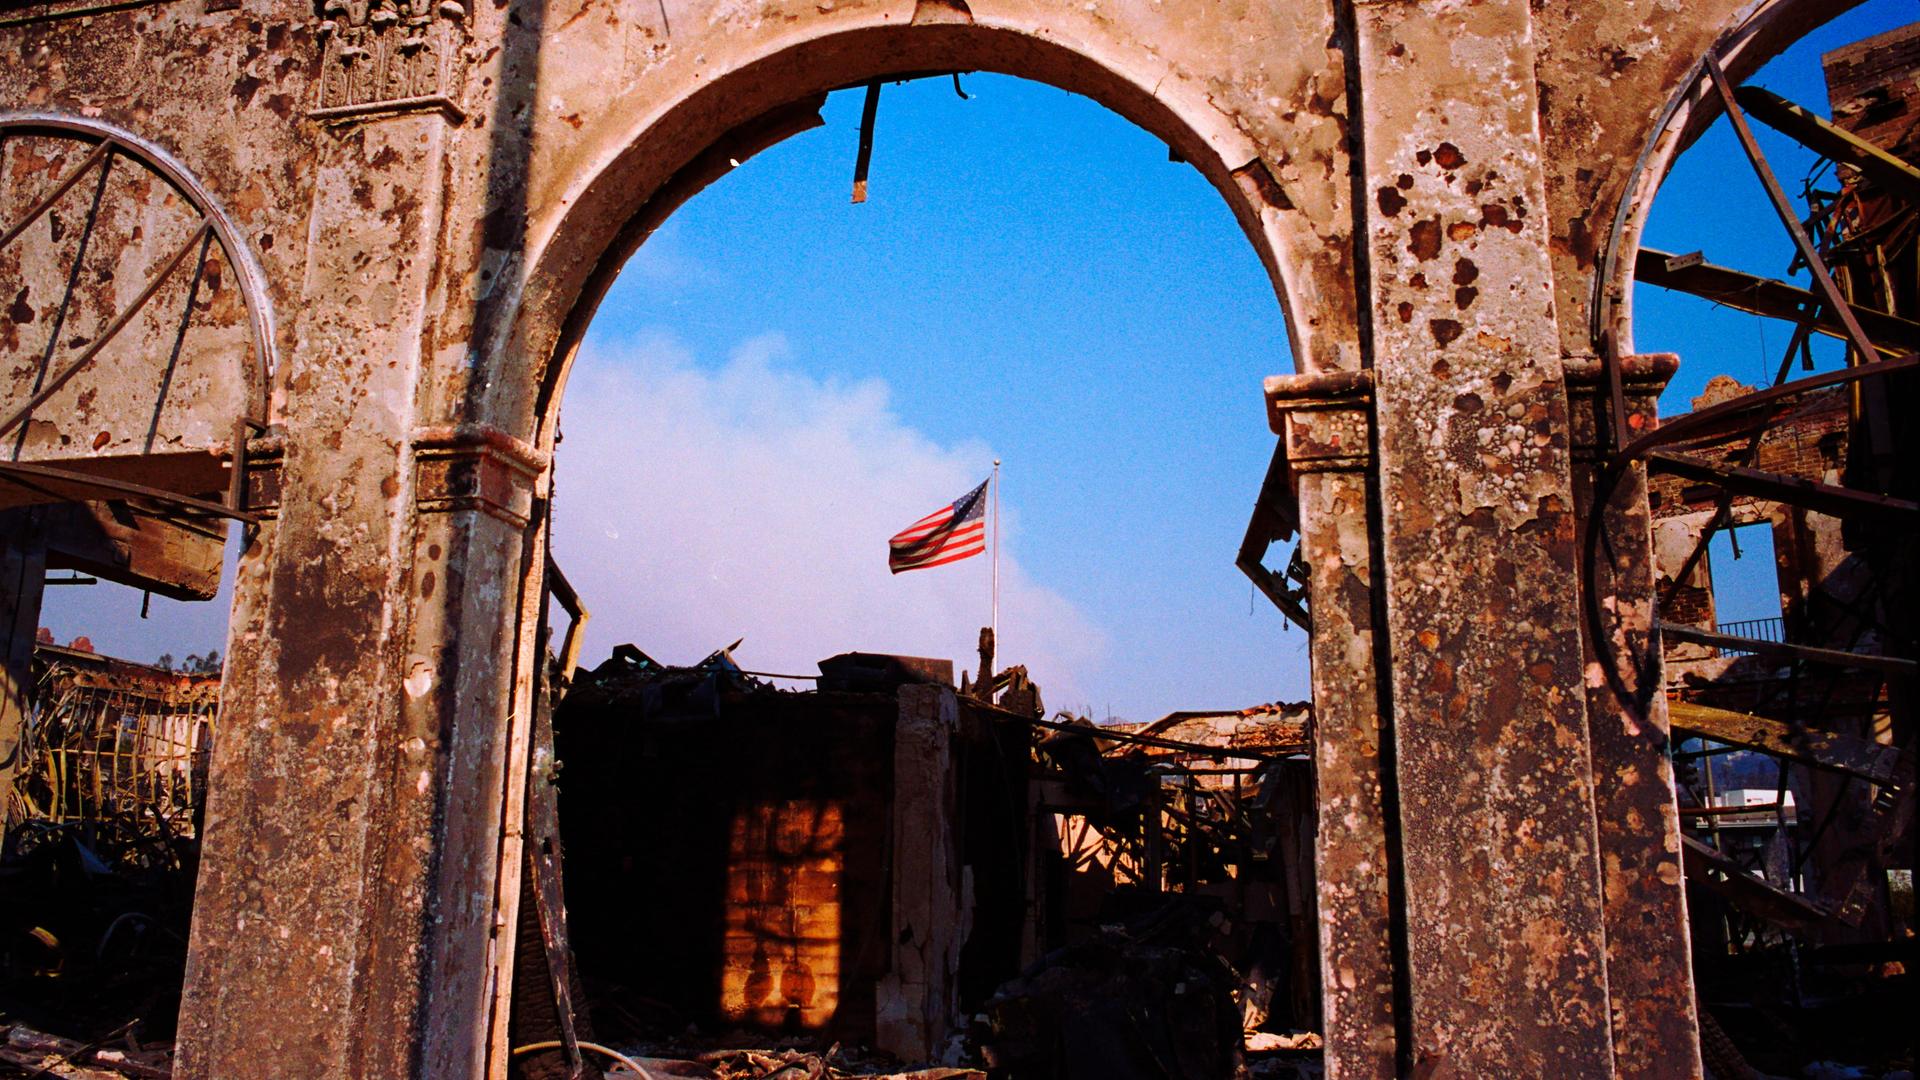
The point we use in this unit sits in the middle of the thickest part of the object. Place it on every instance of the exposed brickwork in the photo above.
(1873, 88)
(1811, 444)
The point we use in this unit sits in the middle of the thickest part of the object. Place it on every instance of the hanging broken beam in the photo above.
(1771, 298)
(577, 616)
(868, 112)
(1825, 138)
(1275, 518)
(1892, 665)
(1809, 746)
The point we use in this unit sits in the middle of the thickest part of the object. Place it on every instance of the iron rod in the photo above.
(1877, 425)
(119, 323)
(179, 338)
(59, 189)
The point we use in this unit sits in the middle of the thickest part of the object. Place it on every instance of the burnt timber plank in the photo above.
(1809, 746)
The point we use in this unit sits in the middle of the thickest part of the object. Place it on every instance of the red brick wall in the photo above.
(1873, 87)
(1810, 444)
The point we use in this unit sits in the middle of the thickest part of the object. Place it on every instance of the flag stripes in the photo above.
(949, 534)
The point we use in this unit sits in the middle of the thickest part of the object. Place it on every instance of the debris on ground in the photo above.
(1139, 1003)
(25, 1051)
(742, 1056)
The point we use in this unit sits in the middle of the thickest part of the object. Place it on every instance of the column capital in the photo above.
(1324, 420)
(475, 467)
(1642, 380)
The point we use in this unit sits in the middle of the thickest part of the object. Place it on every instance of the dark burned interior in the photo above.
(861, 862)
(750, 882)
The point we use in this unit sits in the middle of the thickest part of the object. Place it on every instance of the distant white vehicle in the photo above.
(1757, 797)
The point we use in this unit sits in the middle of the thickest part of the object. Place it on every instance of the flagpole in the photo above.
(996, 552)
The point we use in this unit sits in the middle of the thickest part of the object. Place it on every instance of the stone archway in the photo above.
(726, 118)
(430, 751)
(629, 179)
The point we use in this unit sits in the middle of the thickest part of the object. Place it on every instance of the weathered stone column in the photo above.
(477, 492)
(1649, 966)
(319, 925)
(1505, 943)
(1325, 422)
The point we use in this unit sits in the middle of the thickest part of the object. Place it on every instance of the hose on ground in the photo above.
(555, 1044)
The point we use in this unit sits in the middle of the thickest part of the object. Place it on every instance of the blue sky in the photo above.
(1713, 202)
(1030, 279)
(780, 379)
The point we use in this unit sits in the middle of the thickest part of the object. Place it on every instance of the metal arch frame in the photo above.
(1693, 105)
(238, 254)
(1707, 85)
(1706, 92)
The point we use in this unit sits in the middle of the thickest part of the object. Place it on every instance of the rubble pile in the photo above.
(1115, 1009)
(98, 866)
(36, 1053)
(683, 1059)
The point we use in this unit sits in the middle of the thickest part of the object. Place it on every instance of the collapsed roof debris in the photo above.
(632, 679)
(97, 870)
(877, 859)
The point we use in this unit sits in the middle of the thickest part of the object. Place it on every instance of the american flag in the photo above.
(949, 534)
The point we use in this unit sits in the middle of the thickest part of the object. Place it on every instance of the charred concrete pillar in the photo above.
(23, 572)
(1649, 968)
(1325, 423)
(917, 1000)
(1505, 971)
(332, 828)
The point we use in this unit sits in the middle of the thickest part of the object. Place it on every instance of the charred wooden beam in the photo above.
(1772, 298)
(1893, 665)
(1809, 746)
(1811, 494)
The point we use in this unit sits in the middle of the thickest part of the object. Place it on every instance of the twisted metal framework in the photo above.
(116, 746)
(1718, 447)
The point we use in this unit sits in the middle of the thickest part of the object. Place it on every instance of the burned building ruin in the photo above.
(316, 271)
